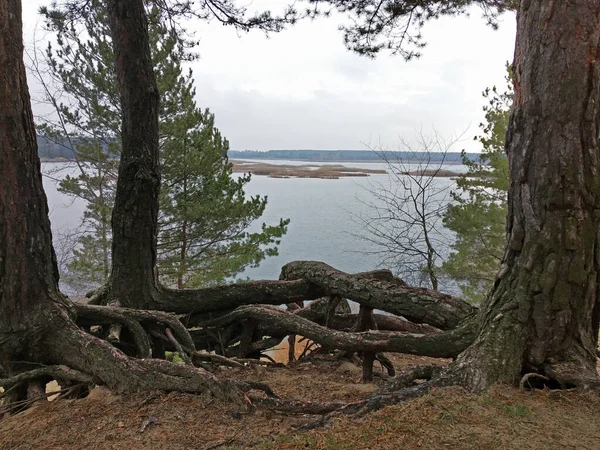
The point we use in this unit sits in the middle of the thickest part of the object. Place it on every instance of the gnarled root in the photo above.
(407, 377)
(177, 334)
(83, 357)
(417, 305)
(441, 345)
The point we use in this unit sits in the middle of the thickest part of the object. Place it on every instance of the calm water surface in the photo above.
(324, 224)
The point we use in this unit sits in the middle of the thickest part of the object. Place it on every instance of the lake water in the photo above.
(325, 217)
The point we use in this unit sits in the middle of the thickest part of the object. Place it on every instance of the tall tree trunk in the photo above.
(28, 270)
(102, 178)
(540, 316)
(135, 214)
(184, 241)
(35, 319)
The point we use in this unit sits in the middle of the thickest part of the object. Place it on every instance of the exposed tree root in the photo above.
(415, 304)
(308, 280)
(297, 406)
(331, 410)
(441, 345)
(525, 381)
(360, 408)
(177, 345)
(131, 318)
(247, 331)
(8, 408)
(366, 322)
(376, 289)
(86, 358)
(24, 389)
(98, 296)
(407, 377)
(346, 321)
(386, 363)
(98, 315)
(247, 386)
(57, 372)
(228, 297)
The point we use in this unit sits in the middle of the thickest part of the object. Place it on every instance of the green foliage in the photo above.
(81, 87)
(478, 213)
(396, 25)
(204, 214)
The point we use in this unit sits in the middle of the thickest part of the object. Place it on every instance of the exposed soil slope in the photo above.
(448, 418)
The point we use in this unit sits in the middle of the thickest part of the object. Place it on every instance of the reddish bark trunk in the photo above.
(28, 270)
(34, 323)
(540, 317)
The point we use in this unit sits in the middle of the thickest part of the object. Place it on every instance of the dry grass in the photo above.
(504, 418)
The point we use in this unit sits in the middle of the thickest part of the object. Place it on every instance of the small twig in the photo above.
(241, 363)
(528, 376)
(30, 401)
(218, 359)
(67, 390)
(309, 345)
(177, 345)
(258, 362)
(247, 386)
(9, 390)
(264, 355)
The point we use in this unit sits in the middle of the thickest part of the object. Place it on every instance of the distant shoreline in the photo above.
(307, 161)
(330, 170)
(358, 161)
(55, 160)
(323, 171)
(309, 170)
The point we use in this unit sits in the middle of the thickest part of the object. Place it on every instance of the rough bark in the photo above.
(28, 270)
(227, 297)
(366, 322)
(135, 213)
(35, 319)
(540, 315)
(372, 289)
(385, 322)
(415, 304)
(277, 322)
(205, 339)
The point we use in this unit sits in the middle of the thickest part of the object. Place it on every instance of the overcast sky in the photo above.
(301, 89)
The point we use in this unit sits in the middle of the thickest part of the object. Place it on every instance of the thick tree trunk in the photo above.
(35, 322)
(135, 214)
(28, 270)
(540, 315)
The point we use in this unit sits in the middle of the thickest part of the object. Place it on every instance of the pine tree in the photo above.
(478, 212)
(81, 87)
(204, 213)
